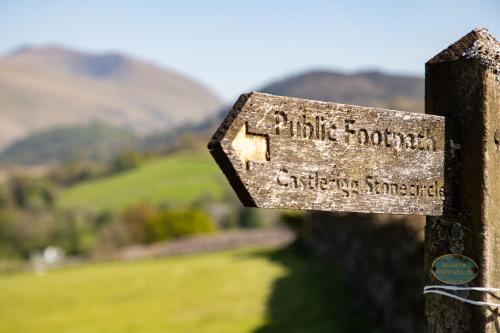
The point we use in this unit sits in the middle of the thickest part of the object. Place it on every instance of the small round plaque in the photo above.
(454, 269)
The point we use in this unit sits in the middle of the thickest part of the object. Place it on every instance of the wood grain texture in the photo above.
(466, 90)
(281, 152)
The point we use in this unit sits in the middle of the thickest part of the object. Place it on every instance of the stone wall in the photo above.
(381, 259)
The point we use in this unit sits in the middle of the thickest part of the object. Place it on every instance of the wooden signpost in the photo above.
(282, 152)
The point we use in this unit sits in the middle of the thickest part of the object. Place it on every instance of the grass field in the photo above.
(177, 179)
(261, 291)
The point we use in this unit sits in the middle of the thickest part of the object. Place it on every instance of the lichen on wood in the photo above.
(282, 152)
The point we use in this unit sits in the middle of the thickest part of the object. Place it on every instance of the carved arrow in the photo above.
(251, 147)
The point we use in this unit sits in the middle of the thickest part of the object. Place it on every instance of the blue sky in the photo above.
(236, 46)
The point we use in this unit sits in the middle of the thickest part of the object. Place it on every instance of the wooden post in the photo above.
(463, 85)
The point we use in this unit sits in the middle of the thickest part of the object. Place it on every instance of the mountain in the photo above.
(368, 88)
(371, 88)
(53, 86)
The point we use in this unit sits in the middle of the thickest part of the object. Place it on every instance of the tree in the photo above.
(127, 160)
(135, 220)
(178, 223)
(249, 218)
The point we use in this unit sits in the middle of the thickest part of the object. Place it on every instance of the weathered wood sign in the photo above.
(282, 152)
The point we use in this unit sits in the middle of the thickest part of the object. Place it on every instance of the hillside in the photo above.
(180, 179)
(51, 86)
(363, 88)
(95, 141)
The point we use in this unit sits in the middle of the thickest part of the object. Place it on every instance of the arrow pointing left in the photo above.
(251, 147)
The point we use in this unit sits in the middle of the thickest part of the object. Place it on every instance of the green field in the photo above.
(178, 179)
(261, 291)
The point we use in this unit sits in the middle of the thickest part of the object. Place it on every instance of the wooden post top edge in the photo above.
(479, 44)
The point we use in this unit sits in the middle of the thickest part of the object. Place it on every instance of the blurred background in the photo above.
(113, 216)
